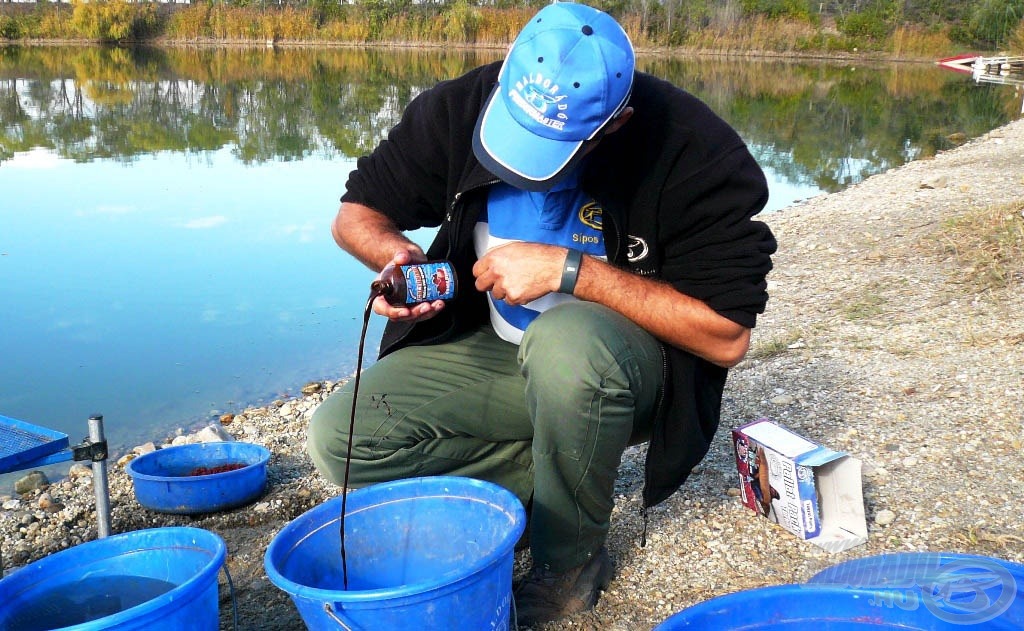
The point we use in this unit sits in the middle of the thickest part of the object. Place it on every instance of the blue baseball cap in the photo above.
(567, 74)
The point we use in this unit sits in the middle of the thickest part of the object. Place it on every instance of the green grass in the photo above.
(869, 305)
(986, 246)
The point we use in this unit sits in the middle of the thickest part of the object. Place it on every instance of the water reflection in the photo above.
(815, 125)
(267, 105)
(834, 125)
(164, 214)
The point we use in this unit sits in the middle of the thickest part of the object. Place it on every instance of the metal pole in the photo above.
(99, 478)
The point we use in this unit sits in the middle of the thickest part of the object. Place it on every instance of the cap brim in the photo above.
(517, 156)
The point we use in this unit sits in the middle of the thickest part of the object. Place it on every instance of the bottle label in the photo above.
(427, 282)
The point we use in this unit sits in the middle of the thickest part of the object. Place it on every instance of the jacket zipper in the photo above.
(453, 210)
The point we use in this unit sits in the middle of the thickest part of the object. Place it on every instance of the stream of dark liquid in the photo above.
(374, 292)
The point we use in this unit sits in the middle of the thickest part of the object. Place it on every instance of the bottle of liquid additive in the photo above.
(406, 285)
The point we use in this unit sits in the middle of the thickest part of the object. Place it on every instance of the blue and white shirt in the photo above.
(562, 216)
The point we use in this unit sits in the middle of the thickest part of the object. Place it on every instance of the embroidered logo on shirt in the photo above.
(535, 94)
(590, 215)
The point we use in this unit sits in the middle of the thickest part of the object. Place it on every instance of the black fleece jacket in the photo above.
(678, 188)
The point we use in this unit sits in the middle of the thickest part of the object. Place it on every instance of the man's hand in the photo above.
(519, 272)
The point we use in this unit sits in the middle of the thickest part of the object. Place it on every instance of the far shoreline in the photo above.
(673, 52)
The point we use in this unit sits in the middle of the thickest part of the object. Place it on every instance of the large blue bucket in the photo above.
(422, 553)
(162, 579)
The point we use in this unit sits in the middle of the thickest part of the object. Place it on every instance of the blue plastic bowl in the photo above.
(970, 588)
(167, 480)
(822, 607)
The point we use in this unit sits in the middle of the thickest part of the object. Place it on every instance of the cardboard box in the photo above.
(810, 490)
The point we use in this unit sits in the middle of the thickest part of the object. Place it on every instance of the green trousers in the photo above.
(548, 419)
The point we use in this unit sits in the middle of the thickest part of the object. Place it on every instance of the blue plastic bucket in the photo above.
(813, 608)
(166, 480)
(422, 553)
(162, 579)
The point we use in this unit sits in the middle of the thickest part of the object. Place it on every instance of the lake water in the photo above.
(165, 248)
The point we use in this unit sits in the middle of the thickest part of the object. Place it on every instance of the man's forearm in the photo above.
(673, 317)
(370, 236)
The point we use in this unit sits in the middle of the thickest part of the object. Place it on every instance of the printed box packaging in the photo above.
(812, 491)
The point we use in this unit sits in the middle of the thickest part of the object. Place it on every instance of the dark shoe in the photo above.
(544, 595)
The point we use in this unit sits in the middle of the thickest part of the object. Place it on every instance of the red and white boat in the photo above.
(961, 63)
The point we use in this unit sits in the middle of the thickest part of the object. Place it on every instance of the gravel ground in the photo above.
(876, 341)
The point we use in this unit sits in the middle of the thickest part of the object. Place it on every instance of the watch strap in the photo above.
(570, 271)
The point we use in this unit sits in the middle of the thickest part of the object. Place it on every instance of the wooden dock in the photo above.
(999, 66)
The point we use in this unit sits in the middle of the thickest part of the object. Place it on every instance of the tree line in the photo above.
(900, 27)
